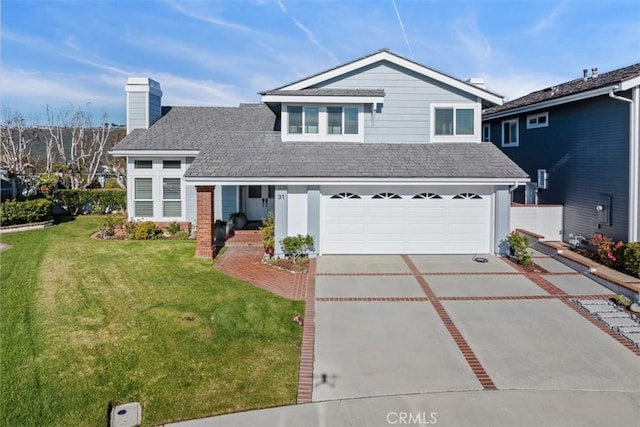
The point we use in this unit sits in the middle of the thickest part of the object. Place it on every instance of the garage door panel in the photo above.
(407, 225)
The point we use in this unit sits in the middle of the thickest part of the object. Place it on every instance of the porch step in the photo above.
(245, 238)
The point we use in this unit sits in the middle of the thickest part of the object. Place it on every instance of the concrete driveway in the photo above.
(445, 340)
(388, 325)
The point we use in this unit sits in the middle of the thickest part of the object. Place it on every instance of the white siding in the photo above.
(190, 203)
(137, 113)
(405, 116)
(297, 208)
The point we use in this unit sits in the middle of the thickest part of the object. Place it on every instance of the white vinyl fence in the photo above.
(545, 220)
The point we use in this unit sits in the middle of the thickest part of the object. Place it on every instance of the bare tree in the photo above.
(79, 145)
(15, 148)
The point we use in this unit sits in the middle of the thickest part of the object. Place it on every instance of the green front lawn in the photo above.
(85, 322)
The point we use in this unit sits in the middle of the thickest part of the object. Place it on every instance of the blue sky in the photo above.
(63, 53)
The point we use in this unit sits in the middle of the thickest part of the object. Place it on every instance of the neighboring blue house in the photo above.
(579, 143)
(381, 155)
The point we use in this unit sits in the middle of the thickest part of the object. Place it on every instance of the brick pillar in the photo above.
(205, 230)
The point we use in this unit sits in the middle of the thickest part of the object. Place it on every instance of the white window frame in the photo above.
(180, 200)
(516, 143)
(157, 174)
(135, 199)
(486, 126)
(323, 124)
(477, 123)
(536, 117)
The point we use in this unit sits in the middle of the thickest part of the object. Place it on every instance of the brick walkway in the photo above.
(242, 260)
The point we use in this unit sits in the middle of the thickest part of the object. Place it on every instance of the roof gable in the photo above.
(385, 55)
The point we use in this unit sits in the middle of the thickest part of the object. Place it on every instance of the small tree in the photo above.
(296, 247)
(267, 231)
(519, 247)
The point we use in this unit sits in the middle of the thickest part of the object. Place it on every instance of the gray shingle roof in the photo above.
(190, 128)
(240, 142)
(570, 88)
(327, 92)
(261, 154)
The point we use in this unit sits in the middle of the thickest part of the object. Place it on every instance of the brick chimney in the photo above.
(144, 102)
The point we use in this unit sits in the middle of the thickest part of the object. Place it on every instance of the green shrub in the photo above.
(267, 231)
(24, 212)
(146, 231)
(296, 247)
(519, 246)
(97, 201)
(632, 258)
(112, 184)
(610, 253)
(623, 301)
(172, 228)
(107, 226)
(129, 227)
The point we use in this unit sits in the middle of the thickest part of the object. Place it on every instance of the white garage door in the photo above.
(443, 220)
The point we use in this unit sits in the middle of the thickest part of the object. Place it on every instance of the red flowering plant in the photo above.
(610, 253)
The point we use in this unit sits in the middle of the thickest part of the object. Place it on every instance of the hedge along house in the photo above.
(381, 155)
(580, 139)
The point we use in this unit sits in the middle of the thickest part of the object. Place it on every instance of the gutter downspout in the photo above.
(634, 149)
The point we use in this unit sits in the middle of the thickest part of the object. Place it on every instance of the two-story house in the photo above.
(579, 142)
(381, 155)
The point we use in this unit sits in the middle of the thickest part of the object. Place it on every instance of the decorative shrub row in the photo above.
(24, 212)
(617, 254)
(98, 201)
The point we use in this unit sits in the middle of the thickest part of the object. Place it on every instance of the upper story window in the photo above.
(540, 120)
(143, 164)
(510, 133)
(303, 119)
(342, 120)
(319, 122)
(486, 133)
(455, 123)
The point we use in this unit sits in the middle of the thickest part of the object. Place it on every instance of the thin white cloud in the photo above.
(311, 37)
(281, 6)
(193, 92)
(474, 42)
(212, 20)
(549, 20)
(308, 33)
(404, 33)
(513, 84)
(24, 86)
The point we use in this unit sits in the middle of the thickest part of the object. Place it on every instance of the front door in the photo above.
(260, 200)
